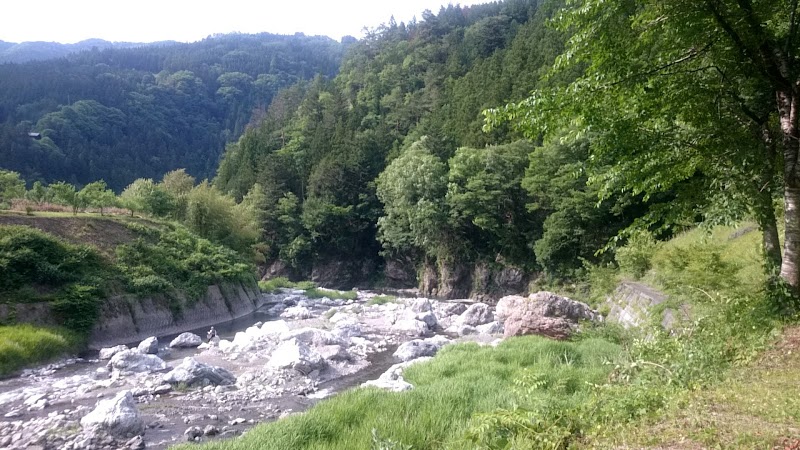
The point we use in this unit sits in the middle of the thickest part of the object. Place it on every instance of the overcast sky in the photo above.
(70, 21)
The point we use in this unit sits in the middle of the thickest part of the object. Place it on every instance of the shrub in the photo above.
(24, 344)
(272, 285)
(381, 299)
(634, 258)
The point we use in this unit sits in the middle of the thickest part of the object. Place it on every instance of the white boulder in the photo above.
(133, 361)
(186, 340)
(191, 372)
(149, 345)
(109, 352)
(118, 417)
(293, 354)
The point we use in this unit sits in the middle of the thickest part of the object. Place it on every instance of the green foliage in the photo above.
(273, 284)
(145, 196)
(11, 186)
(77, 307)
(31, 257)
(179, 261)
(24, 344)
(39, 193)
(635, 257)
(219, 218)
(320, 292)
(461, 381)
(381, 300)
(96, 194)
(65, 194)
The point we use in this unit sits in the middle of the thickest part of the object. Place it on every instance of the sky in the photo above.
(69, 21)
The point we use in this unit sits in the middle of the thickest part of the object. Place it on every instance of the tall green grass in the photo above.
(272, 285)
(21, 345)
(330, 293)
(461, 381)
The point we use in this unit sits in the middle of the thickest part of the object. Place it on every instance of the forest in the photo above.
(119, 114)
(509, 134)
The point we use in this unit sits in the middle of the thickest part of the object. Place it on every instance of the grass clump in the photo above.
(272, 285)
(330, 293)
(24, 344)
(462, 381)
(381, 300)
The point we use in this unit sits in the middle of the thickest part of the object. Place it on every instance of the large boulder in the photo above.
(296, 312)
(118, 417)
(293, 354)
(392, 379)
(420, 347)
(133, 361)
(109, 352)
(186, 340)
(191, 372)
(312, 336)
(476, 314)
(543, 313)
(149, 345)
(446, 309)
(275, 327)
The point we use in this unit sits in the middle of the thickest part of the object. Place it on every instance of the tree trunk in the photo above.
(769, 228)
(788, 110)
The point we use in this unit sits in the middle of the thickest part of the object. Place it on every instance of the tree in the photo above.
(38, 193)
(680, 89)
(65, 194)
(97, 194)
(178, 184)
(412, 189)
(11, 186)
(145, 196)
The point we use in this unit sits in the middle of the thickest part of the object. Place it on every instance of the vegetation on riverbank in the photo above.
(594, 391)
(22, 345)
(69, 278)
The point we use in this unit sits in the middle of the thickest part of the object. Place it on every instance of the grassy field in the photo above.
(462, 381)
(21, 345)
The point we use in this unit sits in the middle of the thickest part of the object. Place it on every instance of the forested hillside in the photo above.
(123, 113)
(12, 52)
(390, 157)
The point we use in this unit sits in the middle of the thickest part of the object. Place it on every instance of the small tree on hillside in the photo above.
(97, 195)
(144, 196)
(11, 186)
(65, 194)
(39, 193)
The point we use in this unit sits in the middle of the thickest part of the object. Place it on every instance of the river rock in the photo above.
(275, 327)
(346, 330)
(118, 417)
(312, 336)
(490, 328)
(186, 340)
(476, 314)
(191, 372)
(428, 318)
(193, 433)
(461, 329)
(334, 353)
(109, 352)
(421, 305)
(293, 354)
(149, 345)
(420, 347)
(446, 309)
(297, 313)
(133, 361)
(392, 379)
(413, 326)
(543, 313)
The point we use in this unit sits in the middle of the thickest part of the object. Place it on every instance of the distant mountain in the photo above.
(119, 113)
(11, 52)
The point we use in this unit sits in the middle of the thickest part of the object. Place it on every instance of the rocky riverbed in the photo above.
(292, 353)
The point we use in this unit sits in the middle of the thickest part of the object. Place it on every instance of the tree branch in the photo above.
(777, 67)
(792, 30)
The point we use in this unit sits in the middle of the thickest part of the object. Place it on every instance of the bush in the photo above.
(634, 258)
(274, 284)
(381, 300)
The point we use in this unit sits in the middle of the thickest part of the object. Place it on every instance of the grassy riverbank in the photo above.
(462, 381)
(605, 389)
(21, 345)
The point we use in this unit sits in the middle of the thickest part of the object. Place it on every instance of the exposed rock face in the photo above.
(186, 340)
(341, 274)
(133, 361)
(191, 372)
(118, 417)
(543, 313)
(632, 303)
(483, 282)
(108, 352)
(149, 345)
(278, 269)
(399, 273)
(296, 355)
